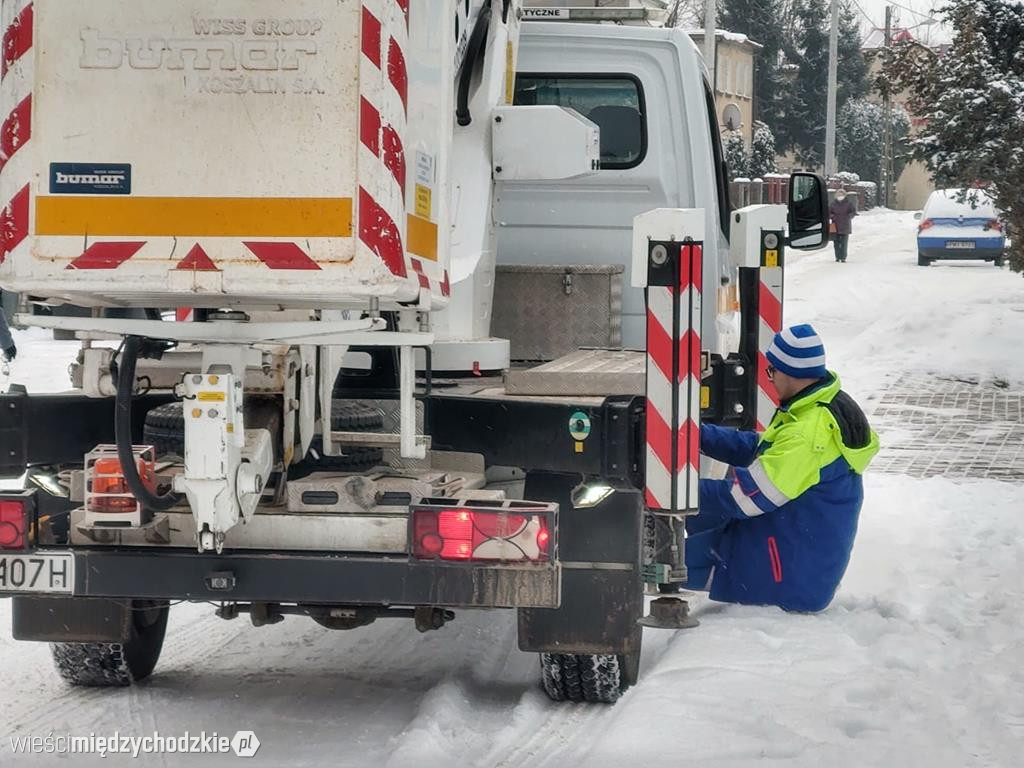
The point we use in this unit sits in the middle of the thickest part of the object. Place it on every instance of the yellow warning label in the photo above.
(579, 447)
(423, 201)
(210, 397)
(771, 259)
(705, 397)
(230, 428)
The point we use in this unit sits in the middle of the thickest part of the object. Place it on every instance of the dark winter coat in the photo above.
(842, 212)
(790, 502)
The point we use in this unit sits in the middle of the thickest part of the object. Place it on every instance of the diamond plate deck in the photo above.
(584, 372)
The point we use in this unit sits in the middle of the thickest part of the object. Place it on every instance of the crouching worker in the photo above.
(778, 530)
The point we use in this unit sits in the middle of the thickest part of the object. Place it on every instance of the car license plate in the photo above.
(38, 572)
(966, 244)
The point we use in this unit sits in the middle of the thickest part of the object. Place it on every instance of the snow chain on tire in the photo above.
(582, 677)
(116, 664)
(93, 664)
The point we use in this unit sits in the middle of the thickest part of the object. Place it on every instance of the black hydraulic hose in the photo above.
(123, 431)
(474, 48)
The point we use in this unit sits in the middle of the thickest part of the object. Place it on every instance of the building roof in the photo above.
(876, 38)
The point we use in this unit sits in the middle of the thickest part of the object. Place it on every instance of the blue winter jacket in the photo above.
(790, 502)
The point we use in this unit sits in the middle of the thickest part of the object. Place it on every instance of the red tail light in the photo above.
(468, 534)
(542, 539)
(15, 524)
(994, 224)
(925, 224)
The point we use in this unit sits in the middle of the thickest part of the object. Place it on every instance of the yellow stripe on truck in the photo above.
(422, 237)
(194, 216)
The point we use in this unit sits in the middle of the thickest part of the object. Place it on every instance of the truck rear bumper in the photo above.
(981, 253)
(307, 578)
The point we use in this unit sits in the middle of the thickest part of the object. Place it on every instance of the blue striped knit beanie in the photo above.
(798, 352)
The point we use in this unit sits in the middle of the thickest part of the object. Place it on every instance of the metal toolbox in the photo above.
(547, 311)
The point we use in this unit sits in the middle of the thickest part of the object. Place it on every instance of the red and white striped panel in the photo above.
(660, 376)
(673, 377)
(383, 104)
(769, 310)
(688, 435)
(442, 286)
(113, 254)
(16, 76)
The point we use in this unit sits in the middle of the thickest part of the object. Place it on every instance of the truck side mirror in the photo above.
(918, 215)
(808, 212)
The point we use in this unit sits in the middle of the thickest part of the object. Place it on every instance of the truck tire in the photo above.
(355, 459)
(999, 260)
(165, 430)
(116, 664)
(346, 416)
(587, 677)
(922, 260)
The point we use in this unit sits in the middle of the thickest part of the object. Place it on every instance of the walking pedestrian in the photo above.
(841, 213)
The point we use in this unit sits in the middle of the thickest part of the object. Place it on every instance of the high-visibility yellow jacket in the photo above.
(790, 501)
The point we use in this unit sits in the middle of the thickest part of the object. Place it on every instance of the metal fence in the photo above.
(774, 189)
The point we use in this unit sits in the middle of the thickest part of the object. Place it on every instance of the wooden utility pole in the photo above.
(887, 164)
(830, 109)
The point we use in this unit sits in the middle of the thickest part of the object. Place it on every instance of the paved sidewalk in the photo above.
(956, 428)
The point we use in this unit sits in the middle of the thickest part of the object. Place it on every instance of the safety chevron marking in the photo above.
(197, 260)
(282, 255)
(16, 130)
(106, 255)
(769, 310)
(17, 39)
(673, 387)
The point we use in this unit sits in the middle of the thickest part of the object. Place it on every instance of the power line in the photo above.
(916, 13)
(926, 16)
(864, 13)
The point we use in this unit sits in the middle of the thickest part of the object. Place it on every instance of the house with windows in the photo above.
(735, 60)
(914, 184)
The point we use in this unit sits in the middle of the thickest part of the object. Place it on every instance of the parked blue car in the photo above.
(951, 229)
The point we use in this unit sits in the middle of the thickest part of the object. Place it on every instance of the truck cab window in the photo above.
(614, 102)
(721, 175)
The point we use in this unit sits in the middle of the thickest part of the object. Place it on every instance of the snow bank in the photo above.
(917, 662)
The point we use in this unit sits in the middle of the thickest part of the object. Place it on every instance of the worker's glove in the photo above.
(10, 352)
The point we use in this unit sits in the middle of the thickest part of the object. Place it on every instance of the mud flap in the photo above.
(602, 585)
(71, 620)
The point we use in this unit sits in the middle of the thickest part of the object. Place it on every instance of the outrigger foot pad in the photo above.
(669, 613)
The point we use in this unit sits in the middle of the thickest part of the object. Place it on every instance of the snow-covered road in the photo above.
(918, 662)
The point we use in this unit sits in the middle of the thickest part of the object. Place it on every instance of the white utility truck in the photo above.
(386, 309)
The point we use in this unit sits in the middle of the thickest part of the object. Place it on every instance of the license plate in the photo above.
(960, 244)
(50, 572)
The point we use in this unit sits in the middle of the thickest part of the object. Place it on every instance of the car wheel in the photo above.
(999, 261)
(922, 260)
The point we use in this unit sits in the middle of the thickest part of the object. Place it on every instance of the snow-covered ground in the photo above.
(918, 662)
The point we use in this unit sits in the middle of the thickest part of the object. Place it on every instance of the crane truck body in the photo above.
(284, 230)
